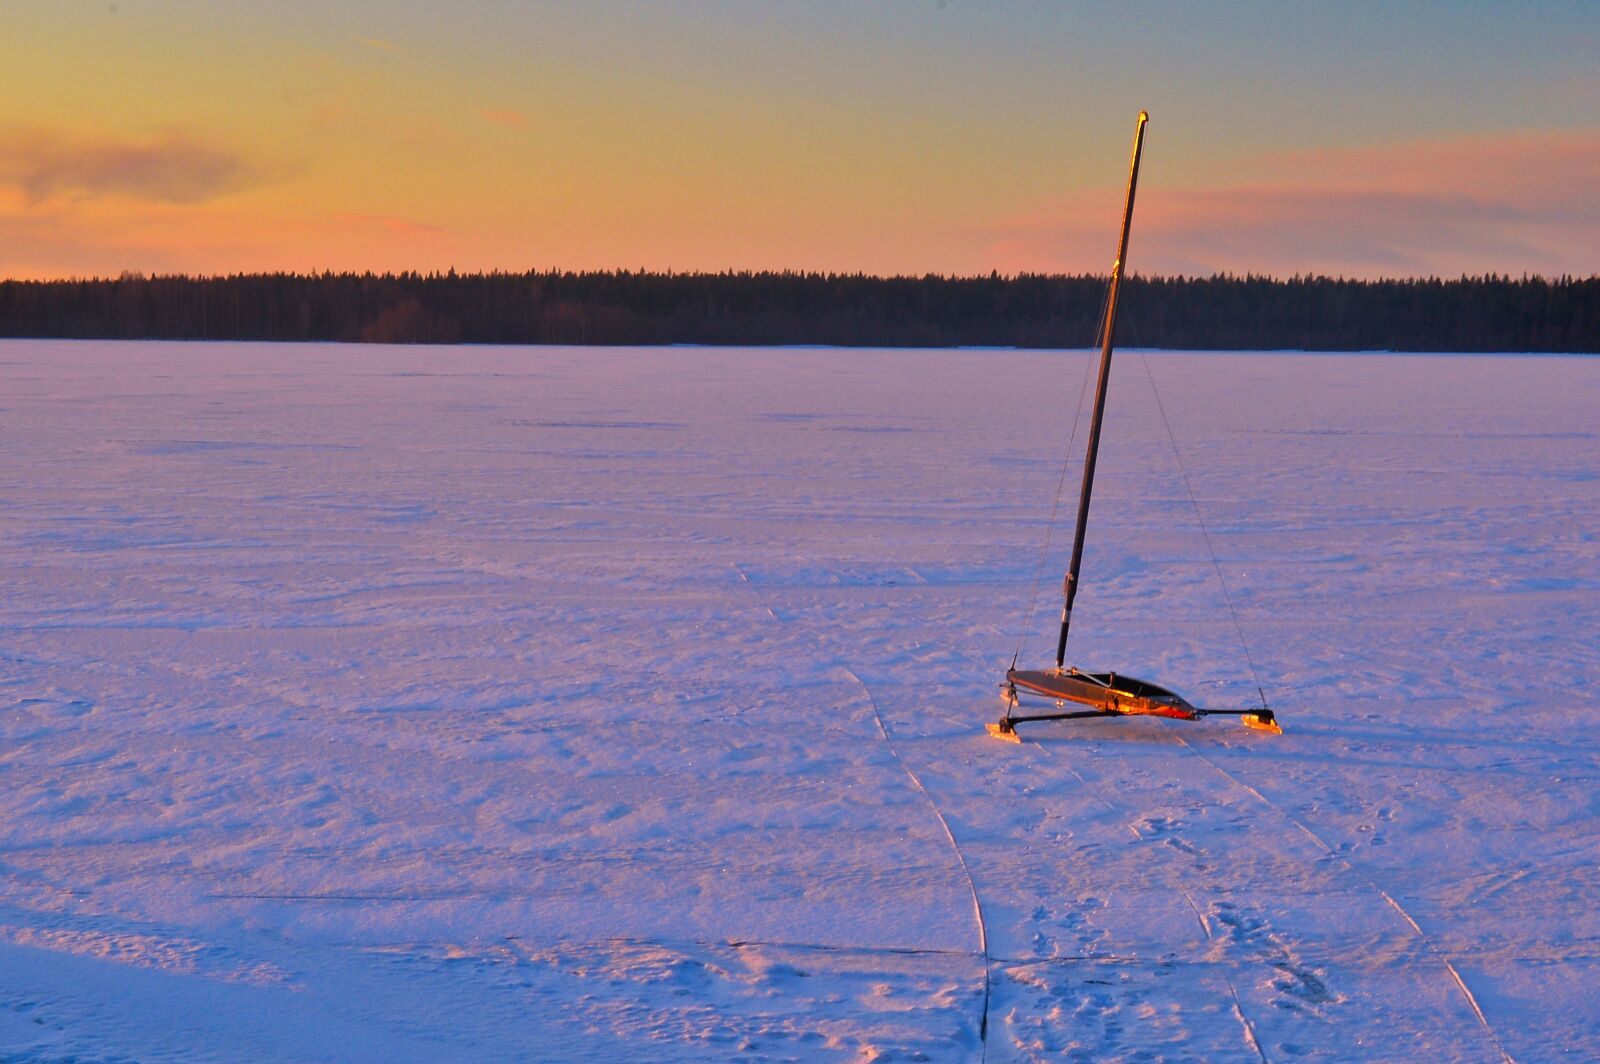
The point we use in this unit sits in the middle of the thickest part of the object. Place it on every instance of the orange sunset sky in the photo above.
(1361, 139)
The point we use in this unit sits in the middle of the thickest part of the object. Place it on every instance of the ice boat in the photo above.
(1105, 694)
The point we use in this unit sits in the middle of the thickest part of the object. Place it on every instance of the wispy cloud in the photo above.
(504, 116)
(377, 44)
(104, 237)
(42, 246)
(173, 167)
(1522, 203)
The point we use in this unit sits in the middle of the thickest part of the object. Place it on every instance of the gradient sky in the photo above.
(899, 136)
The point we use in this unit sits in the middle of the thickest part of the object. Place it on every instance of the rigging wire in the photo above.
(1061, 483)
(1204, 532)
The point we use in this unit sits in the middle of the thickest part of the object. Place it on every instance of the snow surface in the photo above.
(364, 703)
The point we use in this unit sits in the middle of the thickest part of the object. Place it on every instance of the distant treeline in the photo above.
(1030, 310)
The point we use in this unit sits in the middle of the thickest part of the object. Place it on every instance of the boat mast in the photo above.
(1100, 397)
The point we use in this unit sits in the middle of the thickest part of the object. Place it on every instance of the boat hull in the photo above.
(1107, 692)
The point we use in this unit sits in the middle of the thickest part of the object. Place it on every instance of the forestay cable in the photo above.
(1204, 532)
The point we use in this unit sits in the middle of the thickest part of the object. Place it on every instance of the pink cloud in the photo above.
(403, 226)
(1524, 203)
(504, 116)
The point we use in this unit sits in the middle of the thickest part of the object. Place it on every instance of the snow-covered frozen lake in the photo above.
(364, 703)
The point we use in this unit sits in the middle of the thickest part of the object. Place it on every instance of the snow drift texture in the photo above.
(416, 704)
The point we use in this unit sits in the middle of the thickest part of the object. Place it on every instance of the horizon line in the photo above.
(130, 276)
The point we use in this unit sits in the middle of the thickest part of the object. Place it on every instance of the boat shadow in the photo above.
(1359, 746)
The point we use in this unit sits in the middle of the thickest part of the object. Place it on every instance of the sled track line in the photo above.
(894, 750)
(1205, 925)
(1233, 991)
(1121, 814)
(1427, 942)
(977, 905)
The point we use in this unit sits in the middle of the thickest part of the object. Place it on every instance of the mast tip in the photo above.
(1144, 116)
